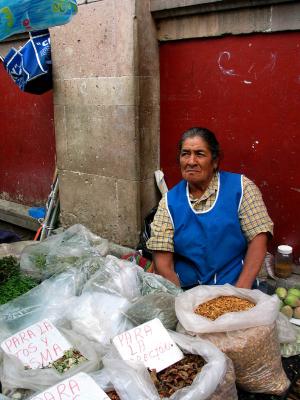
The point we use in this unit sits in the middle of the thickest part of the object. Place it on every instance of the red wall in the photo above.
(27, 147)
(246, 89)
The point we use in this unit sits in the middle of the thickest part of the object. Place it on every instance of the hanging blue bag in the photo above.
(17, 16)
(30, 66)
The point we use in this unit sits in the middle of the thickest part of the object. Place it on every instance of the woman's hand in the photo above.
(254, 258)
(164, 266)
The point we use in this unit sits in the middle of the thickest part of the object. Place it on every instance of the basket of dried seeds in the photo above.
(241, 323)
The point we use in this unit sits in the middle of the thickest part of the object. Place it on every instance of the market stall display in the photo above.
(91, 296)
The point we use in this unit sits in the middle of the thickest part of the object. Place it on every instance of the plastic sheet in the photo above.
(18, 16)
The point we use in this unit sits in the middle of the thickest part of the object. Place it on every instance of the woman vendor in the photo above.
(212, 228)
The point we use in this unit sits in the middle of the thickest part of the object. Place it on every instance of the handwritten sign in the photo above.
(149, 343)
(38, 345)
(80, 386)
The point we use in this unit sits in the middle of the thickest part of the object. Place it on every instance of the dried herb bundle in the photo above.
(113, 395)
(70, 359)
(214, 308)
(178, 375)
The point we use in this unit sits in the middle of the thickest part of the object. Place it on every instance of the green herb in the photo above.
(39, 260)
(8, 266)
(13, 282)
(15, 286)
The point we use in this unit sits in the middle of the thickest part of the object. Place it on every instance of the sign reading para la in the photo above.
(79, 387)
(38, 345)
(149, 343)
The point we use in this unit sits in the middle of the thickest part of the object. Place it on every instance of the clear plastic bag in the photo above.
(249, 338)
(14, 375)
(57, 253)
(286, 331)
(98, 316)
(132, 381)
(292, 349)
(151, 283)
(159, 305)
(117, 277)
(47, 300)
(18, 16)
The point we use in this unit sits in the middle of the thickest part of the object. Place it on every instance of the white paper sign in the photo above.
(295, 321)
(149, 343)
(80, 386)
(38, 345)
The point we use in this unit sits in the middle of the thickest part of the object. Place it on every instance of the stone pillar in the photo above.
(106, 94)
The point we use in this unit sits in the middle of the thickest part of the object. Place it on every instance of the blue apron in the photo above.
(209, 246)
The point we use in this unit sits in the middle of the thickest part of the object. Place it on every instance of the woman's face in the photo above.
(196, 163)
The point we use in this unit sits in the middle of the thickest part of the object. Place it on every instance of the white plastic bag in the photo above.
(98, 316)
(249, 338)
(132, 380)
(264, 313)
(286, 331)
(117, 277)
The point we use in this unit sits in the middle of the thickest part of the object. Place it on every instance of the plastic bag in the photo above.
(14, 375)
(214, 382)
(59, 252)
(249, 338)
(286, 331)
(18, 16)
(14, 249)
(159, 305)
(292, 349)
(264, 313)
(117, 277)
(47, 300)
(98, 316)
(30, 67)
(151, 283)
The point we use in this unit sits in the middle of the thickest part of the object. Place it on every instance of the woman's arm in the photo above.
(254, 258)
(164, 265)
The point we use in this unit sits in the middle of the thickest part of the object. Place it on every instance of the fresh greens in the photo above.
(12, 282)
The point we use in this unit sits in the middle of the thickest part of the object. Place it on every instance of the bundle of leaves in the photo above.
(12, 282)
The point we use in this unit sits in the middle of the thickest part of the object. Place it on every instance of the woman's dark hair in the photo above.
(205, 134)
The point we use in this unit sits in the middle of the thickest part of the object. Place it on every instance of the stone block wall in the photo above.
(106, 116)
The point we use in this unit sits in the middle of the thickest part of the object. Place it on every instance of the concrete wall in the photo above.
(106, 116)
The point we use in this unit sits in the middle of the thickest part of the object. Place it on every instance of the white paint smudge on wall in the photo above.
(254, 145)
(247, 82)
(295, 189)
(225, 56)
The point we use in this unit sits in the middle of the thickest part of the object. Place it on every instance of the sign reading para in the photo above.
(80, 386)
(38, 345)
(149, 343)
